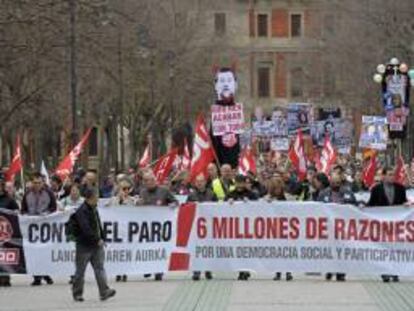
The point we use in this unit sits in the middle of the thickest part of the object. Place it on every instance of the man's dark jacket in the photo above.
(7, 202)
(379, 198)
(87, 226)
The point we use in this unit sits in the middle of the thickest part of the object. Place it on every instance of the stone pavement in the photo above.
(177, 292)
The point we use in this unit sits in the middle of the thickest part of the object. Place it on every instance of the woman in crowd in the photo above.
(276, 192)
(73, 200)
(123, 197)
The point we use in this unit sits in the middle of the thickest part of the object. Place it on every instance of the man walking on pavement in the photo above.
(85, 228)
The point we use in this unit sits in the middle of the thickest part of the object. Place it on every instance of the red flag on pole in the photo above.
(203, 152)
(65, 167)
(16, 164)
(400, 173)
(297, 155)
(164, 165)
(186, 159)
(146, 157)
(247, 162)
(368, 174)
(328, 156)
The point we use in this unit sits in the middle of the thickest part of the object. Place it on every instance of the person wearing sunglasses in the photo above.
(123, 197)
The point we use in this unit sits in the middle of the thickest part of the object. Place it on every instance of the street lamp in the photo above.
(396, 80)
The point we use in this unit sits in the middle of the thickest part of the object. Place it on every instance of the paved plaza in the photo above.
(224, 293)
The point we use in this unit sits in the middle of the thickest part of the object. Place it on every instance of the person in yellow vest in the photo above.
(224, 184)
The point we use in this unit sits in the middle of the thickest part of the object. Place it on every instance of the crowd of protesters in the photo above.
(275, 180)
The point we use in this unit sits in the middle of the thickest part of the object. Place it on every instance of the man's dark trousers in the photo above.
(95, 255)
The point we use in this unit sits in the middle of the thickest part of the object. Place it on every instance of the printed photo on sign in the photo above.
(374, 133)
(299, 117)
(340, 132)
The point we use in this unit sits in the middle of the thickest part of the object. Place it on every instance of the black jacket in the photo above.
(88, 226)
(379, 198)
(7, 202)
(241, 195)
(202, 196)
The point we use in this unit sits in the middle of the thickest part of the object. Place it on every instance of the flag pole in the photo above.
(22, 179)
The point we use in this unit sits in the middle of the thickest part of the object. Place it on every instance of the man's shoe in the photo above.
(36, 283)
(78, 299)
(385, 278)
(340, 277)
(147, 275)
(110, 293)
(289, 276)
(278, 276)
(209, 275)
(247, 275)
(158, 277)
(328, 276)
(396, 278)
(124, 278)
(48, 280)
(196, 276)
(118, 278)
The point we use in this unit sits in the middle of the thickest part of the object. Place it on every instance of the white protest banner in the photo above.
(227, 119)
(259, 236)
(302, 237)
(138, 240)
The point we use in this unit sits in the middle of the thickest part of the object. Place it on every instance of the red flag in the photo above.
(247, 162)
(16, 165)
(317, 159)
(185, 159)
(65, 167)
(203, 152)
(328, 156)
(146, 157)
(297, 155)
(164, 165)
(400, 173)
(368, 174)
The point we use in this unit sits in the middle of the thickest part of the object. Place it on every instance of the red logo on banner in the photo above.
(9, 256)
(6, 230)
(180, 258)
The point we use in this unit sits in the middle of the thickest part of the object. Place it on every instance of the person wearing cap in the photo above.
(6, 202)
(241, 193)
(85, 228)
